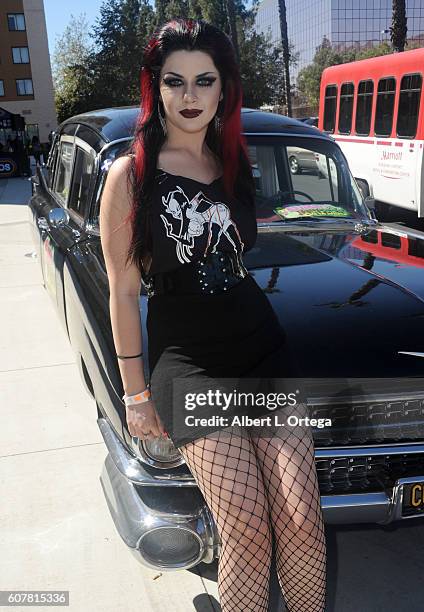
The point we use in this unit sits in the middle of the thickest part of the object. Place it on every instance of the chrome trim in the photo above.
(287, 132)
(112, 143)
(395, 509)
(355, 508)
(181, 565)
(367, 397)
(410, 353)
(356, 451)
(132, 468)
(380, 508)
(133, 518)
(141, 452)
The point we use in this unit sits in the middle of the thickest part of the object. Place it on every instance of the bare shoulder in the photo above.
(116, 191)
(119, 168)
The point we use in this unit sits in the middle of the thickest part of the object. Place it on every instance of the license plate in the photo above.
(413, 499)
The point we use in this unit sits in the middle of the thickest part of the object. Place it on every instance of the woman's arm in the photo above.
(124, 281)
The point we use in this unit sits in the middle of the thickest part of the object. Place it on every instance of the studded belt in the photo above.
(213, 273)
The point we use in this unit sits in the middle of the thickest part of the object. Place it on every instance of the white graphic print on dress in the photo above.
(193, 223)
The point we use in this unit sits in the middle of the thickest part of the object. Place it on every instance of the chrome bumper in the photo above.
(141, 502)
(139, 508)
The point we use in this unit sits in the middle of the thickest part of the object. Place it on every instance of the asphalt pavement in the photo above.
(56, 531)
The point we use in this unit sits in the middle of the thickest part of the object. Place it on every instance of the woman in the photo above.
(36, 149)
(177, 213)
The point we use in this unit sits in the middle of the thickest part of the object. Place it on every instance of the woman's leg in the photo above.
(225, 467)
(286, 458)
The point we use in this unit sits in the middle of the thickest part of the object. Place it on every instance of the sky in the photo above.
(58, 15)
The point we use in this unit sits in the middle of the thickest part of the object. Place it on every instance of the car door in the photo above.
(63, 212)
(87, 303)
(40, 183)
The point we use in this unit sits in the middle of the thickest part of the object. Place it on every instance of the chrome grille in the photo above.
(381, 421)
(367, 473)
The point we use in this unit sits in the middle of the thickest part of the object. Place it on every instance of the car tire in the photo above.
(294, 165)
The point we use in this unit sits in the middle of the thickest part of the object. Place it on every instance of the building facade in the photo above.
(345, 23)
(26, 86)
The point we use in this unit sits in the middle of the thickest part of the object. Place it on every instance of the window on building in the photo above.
(330, 104)
(83, 171)
(385, 104)
(1, 88)
(31, 129)
(16, 21)
(20, 55)
(346, 108)
(24, 87)
(364, 107)
(409, 105)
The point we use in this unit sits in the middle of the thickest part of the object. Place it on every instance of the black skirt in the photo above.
(202, 338)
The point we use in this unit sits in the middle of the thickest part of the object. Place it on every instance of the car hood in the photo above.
(349, 300)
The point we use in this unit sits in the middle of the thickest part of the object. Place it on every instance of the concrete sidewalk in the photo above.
(56, 530)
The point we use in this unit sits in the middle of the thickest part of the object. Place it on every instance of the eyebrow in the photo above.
(181, 76)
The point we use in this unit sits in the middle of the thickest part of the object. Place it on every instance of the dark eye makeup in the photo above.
(203, 82)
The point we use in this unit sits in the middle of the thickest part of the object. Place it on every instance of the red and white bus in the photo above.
(374, 109)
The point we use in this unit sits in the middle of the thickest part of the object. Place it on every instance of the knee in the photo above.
(246, 526)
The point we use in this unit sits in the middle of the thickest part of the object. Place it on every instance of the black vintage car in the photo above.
(349, 292)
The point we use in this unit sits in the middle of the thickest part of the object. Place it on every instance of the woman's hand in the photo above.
(144, 422)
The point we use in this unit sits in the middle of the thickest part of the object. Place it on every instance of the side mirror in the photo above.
(370, 203)
(58, 217)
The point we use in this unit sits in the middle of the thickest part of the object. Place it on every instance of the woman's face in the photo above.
(189, 80)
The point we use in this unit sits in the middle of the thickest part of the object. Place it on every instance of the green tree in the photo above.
(309, 78)
(120, 34)
(71, 48)
(107, 73)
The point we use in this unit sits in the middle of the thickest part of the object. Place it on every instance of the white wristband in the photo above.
(137, 398)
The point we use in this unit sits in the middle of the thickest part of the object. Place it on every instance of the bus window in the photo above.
(385, 104)
(409, 105)
(346, 107)
(364, 108)
(330, 108)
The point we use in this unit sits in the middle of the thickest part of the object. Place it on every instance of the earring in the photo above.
(218, 124)
(162, 120)
(217, 118)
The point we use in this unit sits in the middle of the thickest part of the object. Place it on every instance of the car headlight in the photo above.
(159, 452)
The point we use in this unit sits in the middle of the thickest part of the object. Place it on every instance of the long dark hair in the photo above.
(228, 144)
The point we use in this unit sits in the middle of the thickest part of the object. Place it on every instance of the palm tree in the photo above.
(398, 28)
(286, 52)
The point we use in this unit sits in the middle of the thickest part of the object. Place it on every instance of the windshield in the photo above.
(296, 179)
(302, 178)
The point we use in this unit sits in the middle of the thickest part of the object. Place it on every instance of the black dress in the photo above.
(205, 337)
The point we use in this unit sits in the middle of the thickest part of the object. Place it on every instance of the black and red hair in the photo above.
(228, 144)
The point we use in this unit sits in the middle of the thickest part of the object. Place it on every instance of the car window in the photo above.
(64, 170)
(301, 179)
(82, 175)
(51, 162)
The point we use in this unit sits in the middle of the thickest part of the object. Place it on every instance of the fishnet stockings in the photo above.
(254, 482)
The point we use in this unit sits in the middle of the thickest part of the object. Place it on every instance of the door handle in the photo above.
(42, 223)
